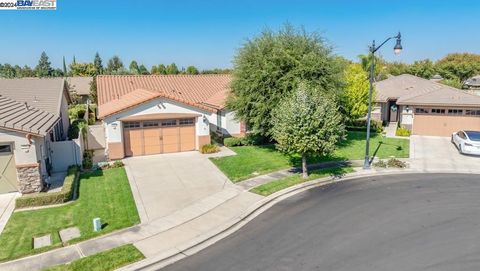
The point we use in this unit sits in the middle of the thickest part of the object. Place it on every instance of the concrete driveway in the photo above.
(432, 153)
(163, 184)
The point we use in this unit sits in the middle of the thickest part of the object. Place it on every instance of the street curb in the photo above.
(205, 240)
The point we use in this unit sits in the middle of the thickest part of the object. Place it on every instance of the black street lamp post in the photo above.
(397, 49)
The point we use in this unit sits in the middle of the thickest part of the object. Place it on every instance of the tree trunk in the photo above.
(304, 166)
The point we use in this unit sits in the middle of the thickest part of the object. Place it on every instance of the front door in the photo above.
(393, 112)
(8, 172)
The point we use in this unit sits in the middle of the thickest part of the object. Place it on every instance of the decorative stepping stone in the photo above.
(69, 234)
(42, 241)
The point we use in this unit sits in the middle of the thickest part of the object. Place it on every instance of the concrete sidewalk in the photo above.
(7, 205)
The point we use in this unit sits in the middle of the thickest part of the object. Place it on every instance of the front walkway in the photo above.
(7, 205)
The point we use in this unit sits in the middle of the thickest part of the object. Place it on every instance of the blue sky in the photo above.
(207, 33)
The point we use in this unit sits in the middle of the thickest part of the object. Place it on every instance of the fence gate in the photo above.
(64, 154)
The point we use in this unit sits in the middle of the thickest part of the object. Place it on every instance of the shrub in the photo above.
(76, 111)
(402, 132)
(248, 140)
(209, 148)
(75, 128)
(42, 199)
(380, 163)
(361, 125)
(393, 162)
(87, 162)
(117, 163)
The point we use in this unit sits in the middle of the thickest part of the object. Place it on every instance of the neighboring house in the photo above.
(80, 86)
(473, 84)
(150, 114)
(426, 107)
(33, 114)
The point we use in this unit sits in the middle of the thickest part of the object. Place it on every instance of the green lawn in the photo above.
(103, 261)
(105, 194)
(255, 160)
(277, 185)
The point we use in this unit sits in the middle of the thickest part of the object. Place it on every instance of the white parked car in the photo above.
(467, 142)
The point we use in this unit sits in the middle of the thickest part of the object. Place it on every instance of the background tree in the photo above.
(422, 68)
(93, 90)
(58, 73)
(396, 68)
(64, 67)
(380, 70)
(459, 66)
(154, 70)
(115, 65)
(355, 95)
(43, 69)
(97, 62)
(217, 71)
(307, 122)
(143, 70)
(268, 67)
(191, 70)
(7, 71)
(162, 69)
(83, 69)
(172, 69)
(133, 67)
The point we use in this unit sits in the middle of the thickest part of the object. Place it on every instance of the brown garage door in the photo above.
(159, 136)
(443, 125)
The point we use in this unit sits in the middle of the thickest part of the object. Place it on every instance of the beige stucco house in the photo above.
(151, 114)
(426, 107)
(33, 113)
(79, 86)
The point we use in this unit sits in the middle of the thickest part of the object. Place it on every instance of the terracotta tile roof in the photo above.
(119, 92)
(81, 85)
(20, 116)
(412, 90)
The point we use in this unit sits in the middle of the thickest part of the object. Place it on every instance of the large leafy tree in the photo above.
(355, 95)
(422, 68)
(268, 68)
(459, 66)
(115, 65)
(172, 69)
(307, 122)
(143, 70)
(44, 68)
(191, 70)
(97, 62)
(380, 71)
(133, 67)
(83, 69)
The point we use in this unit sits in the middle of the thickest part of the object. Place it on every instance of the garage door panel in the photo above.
(170, 139)
(152, 140)
(8, 174)
(133, 142)
(187, 138)
(443, 125)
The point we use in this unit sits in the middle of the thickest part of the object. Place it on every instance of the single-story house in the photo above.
(80, 86)
(151, 114)
(33, 113)
(426, 107)
(473, 84)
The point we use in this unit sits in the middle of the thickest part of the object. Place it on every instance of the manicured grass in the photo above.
(103, 261)
(256, 160)
(105, 194)
(277, 185)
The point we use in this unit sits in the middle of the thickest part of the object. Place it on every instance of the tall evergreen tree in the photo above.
(43, 69)
(133, 67)
(64, 66)
(74, 60)
(97, 62)
(143, 70)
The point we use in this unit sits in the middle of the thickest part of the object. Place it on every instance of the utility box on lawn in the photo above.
(97, 224)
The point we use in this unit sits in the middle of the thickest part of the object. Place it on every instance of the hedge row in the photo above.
(248, 140)
(42, 199)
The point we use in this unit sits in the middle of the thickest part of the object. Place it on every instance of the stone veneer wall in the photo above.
(29, 178)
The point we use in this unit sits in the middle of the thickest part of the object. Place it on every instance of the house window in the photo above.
(5, 149)
(455, 111)
(421, 111)
(131, 124)
(438, 111)
(169, 122)
(186, 121)
(469, 112)
(150, 124)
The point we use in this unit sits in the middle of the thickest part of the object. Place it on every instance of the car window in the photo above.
(473, 135)
(461, 135)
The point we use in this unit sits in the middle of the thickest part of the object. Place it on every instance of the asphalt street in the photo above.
(397, 222)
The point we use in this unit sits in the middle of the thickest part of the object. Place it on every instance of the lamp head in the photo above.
(398, 46)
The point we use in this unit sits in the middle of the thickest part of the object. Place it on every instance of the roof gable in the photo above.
(207, 92)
